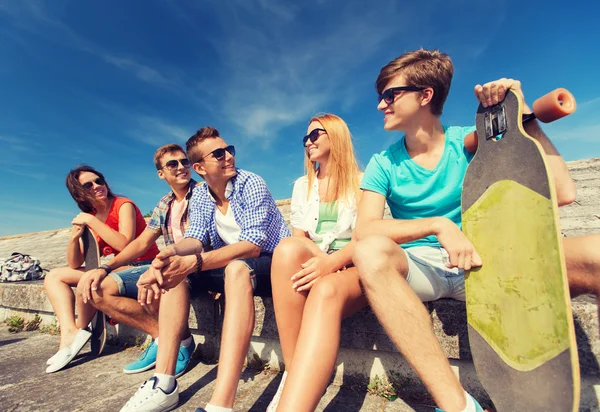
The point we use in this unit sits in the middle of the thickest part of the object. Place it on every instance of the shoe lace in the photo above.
(142, 394)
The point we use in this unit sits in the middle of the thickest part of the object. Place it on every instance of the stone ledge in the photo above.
(361, 331)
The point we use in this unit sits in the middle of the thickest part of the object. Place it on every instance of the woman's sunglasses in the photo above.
(172, 164)
(219, 154)
(99, 181)
(389, 95)
(313, 136)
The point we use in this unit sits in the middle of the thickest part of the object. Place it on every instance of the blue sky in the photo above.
(106, 83)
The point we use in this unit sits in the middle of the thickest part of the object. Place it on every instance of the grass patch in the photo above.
(15, 324)
(382, 387)
(52, 329)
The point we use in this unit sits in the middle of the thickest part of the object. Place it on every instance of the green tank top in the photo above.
(328, 216)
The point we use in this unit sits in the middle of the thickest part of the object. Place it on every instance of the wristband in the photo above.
(198, 262)
(106, 268)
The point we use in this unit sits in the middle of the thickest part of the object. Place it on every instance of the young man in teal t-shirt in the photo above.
(420, 177)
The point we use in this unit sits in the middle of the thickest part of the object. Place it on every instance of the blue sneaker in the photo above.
(146, 361)
(183, 358)
(478, 407)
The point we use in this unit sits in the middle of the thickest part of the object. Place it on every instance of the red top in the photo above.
(112, 221)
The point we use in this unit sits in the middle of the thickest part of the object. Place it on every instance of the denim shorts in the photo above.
(213, 280)
(429, 277)
(126, 279)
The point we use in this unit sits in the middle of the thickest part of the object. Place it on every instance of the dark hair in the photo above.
(421, 68)
(192, 144)
(163, 150)
(84, 199)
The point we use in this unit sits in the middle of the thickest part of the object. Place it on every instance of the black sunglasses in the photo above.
(389, 95)
(313, 136)
(172, 164)
(219, 154)
(99, 181)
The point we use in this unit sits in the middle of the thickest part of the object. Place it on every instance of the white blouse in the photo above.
(305, 214)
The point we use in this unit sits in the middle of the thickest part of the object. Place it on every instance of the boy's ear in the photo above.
(198, 168)
(161, 174)
(426, 96)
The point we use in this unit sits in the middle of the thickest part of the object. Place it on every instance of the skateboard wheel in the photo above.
(471, 142)
(112, 322)
(107, 251)
(554, 105)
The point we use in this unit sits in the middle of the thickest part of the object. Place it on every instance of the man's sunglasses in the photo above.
(389, 95)
(219, 154)
(99, 181)
(172, 164)
(313, 136)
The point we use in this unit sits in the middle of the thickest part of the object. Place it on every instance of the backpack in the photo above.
(20, 266)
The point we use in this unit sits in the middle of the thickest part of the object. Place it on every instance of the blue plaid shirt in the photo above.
(253, 208)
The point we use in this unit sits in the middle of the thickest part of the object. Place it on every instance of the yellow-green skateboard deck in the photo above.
(518, 305)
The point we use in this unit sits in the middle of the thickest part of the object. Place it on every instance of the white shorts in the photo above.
(429, 277)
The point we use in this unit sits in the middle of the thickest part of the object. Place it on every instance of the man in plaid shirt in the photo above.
(234, 227)
(115, 292)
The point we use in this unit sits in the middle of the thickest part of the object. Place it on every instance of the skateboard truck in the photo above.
(495, 121)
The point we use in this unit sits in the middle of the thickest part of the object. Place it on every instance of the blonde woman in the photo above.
(314, 282)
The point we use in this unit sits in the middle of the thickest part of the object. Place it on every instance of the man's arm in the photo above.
(91, 279)
(370, 221)
(566, 191)
(135, 249)
(492, 93)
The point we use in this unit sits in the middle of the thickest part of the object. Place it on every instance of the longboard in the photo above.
(518, 304)
(92, 261)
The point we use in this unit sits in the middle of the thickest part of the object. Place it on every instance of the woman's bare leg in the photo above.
(288, 257)
(58, 283)
(332, 298)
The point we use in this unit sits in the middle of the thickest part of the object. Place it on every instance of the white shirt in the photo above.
(226, 225)
(305, 214)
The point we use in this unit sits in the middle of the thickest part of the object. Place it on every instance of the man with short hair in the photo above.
(235, 215)
(422, 253)
(115, 292)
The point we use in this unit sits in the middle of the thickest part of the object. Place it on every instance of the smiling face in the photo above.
(399, 114)
(318, 150)
(94, 185)
(210, 167)
(177, 176)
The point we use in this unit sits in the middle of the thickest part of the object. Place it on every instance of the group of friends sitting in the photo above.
(226, 235)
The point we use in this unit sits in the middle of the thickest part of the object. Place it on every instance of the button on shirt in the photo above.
(253, 208)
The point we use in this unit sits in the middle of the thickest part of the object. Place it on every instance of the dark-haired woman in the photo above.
(115, 221)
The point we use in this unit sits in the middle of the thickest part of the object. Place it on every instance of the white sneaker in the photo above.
(151, 399)
(54, 357)
(275, 401)
(69, 353)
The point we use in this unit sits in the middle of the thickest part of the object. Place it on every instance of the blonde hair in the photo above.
(343, 181)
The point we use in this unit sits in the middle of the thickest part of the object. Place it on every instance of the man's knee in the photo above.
(376, 253)
(237, 275)
(107, 289)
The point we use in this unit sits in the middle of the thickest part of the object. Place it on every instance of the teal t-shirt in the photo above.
(414, 192)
